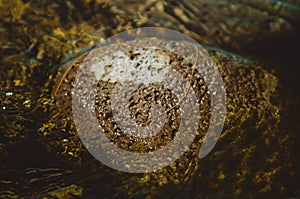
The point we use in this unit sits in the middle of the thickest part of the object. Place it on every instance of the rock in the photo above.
(256, 155)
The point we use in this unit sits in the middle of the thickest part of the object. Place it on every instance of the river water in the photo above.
(39, 37)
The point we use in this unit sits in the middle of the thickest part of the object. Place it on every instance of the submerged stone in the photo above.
(41, 154)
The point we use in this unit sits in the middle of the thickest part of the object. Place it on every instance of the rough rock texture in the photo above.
(250, 91)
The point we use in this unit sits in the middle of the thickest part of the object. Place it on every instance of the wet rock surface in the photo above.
(41, 154)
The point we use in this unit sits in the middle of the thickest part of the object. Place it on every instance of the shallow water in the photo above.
(37, 38)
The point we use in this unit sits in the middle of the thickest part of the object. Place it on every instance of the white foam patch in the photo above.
(147, 66)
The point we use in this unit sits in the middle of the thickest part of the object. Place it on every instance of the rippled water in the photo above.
(38, 37)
